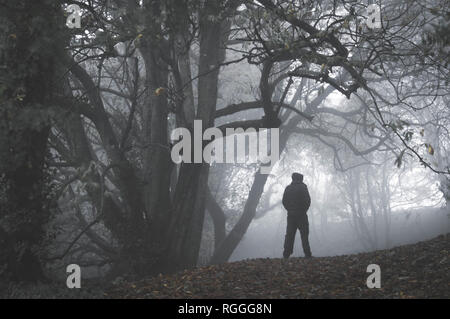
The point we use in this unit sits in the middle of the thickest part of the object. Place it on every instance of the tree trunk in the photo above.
(230, 243)
(32, 39)
(218, 217)
(185, 232)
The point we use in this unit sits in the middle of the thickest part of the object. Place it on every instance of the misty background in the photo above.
(85, 170)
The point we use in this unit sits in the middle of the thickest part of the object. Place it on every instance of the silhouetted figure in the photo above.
(296, 200)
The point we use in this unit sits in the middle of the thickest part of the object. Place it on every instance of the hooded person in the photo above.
(296, 201)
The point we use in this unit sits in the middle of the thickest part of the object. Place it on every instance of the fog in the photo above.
(417, 210)
(148, 138)
(265, 236)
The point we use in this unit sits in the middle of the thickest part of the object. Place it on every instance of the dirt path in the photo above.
(420, 270)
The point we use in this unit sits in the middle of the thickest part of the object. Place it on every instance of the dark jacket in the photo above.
(296, 197)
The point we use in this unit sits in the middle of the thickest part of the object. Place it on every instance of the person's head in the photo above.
(297, 177)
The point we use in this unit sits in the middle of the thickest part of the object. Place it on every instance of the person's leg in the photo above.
(291, 229)
(304, 233)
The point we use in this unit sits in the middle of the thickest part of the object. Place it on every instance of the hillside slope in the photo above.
(420, 270)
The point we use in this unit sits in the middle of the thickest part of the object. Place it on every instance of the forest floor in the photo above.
(420, 270)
